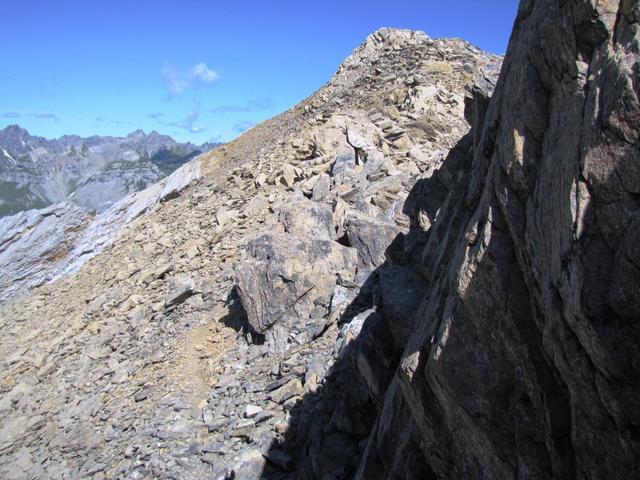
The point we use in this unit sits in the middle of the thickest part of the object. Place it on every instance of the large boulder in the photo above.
(287, 284)
(306, 218)
(370, 236)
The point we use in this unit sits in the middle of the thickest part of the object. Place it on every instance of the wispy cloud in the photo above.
(257, 104)
(188, 123)
(243, 125)
(110, 121)
(173, 82)
(177, 81)
(203, 74)
(156, 115)
(40, 115)
(47, 116)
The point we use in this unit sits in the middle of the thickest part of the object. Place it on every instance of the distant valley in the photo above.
(91, 172)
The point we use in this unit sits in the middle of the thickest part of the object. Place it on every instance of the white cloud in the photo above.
(40, 115)
(254, 105)
(177, 81)
(173, 81)
(188, 123)
(202, 73)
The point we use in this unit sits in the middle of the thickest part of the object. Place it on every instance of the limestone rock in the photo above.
(181, 288)
(305, 218)
(521, 361)
(371, 237)
(33, 244)
(58, 240)
(321, 187)
(287, 279)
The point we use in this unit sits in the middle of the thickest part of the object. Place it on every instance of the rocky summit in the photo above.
(427, 269)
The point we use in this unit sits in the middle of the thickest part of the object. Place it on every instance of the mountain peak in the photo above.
(14, 129)
(92, 172)
(136, 133)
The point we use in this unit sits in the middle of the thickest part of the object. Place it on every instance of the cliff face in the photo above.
(523, 361)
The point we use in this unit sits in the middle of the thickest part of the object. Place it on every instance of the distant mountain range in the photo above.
(91, 172)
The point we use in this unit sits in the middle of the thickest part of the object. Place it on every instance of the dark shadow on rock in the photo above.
(236, 318)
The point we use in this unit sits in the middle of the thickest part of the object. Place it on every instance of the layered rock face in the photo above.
(38, 246)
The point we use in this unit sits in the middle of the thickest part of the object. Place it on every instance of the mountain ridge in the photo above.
(92, 172)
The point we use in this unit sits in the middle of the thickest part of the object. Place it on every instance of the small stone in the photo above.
(158, 357)
(262, 416)
(321, 188)
(223, 216)
(251, 411)
(96, 468)
(287, 391)
(211, 459)
(181, 289)
(157, 273)
(213, 447)
(141, 395)
(261, 180)
(193, 449)
(180, 404)
(120, 376)
(217, 424)
(290, 403)
(250, 466)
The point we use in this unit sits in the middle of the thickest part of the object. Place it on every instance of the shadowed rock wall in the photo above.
(524, 359)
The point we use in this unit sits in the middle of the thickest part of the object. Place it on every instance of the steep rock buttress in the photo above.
(523, 361)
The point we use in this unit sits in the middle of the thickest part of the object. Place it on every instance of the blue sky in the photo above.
(197, 70)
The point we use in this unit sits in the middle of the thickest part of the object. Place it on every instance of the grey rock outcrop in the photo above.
(288, 281)
(32, 241)
(39, 246)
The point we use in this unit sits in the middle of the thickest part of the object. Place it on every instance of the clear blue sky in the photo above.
(197, 70)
